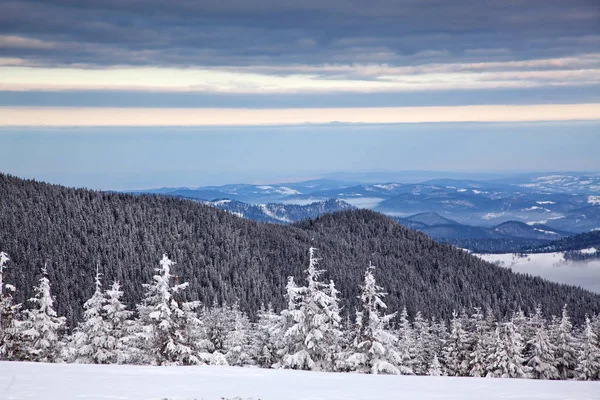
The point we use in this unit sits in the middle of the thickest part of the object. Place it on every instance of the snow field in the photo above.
(41, 381)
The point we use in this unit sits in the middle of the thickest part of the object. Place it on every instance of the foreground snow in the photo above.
(21, 380)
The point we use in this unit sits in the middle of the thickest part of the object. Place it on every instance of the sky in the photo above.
(143, 93)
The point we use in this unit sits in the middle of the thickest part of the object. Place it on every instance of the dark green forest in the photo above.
(227, 259)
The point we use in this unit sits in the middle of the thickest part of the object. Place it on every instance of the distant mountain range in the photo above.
(559, 203)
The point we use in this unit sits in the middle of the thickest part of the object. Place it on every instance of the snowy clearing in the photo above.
(21, 380)
(552, 266)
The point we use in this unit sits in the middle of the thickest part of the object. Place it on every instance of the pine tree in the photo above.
(162, 324)
(566, 346)
(435, 369)
(541, 359)
(456, 350)
(406, 343)
(264, 339)
(42, 328)
(88, 343)
(10, 340)
(237, 345)
(506, 361)
(315, 332)
(480, 344)
(588, 362)
(119, 338)
(424, 350)
(374, 346)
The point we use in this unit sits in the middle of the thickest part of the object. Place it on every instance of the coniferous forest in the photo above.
(227, 259)
(308, 334)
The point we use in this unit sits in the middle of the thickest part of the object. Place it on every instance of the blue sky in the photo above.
(240, 90)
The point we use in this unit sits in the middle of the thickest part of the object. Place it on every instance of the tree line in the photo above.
(309, 333)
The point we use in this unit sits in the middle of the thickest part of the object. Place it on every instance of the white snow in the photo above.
(545, 202)
(389, 186)
(545, 232)
(220, 202)
(594, 200)
(269, 213)
(279, 190)
(461, 190)
(493, 215)
(22, 380)
(533, 208)
(591, 250)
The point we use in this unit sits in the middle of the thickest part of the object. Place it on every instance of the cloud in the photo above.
(267, 32)
(72, 116)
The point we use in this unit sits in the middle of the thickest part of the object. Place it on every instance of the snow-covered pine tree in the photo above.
(480, 344)
(588, 362)
(406, 343)
(540, 356)
(424, 351)
(315, 332)
(10, 342)
(285, 337)
(237, 345)
(264, 340)
(42, 328)
(542, 363)
(457, 350)
(566, 345)
(506, 360)
(88, 342)
(374, 347)
(162, 323)
(435, 368)
(118, 343)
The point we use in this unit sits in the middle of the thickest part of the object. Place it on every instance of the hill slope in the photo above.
(227, 258)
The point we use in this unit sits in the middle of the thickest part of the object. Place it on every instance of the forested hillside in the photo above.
(226, 258)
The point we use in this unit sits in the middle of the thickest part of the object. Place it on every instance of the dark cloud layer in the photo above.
(276, 32)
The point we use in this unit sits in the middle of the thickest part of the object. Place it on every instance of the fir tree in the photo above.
(315, 332)
(42, 328)
(456, 350)
(588, 362)
(435, 368)
(88, 343)
(541, 358)
(119, 338)
(10, 340)
(506, 360)
(162, 323)
(566, 346)
(374, 346)
(264, 339)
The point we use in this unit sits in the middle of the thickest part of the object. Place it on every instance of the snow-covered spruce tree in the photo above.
(314, 335)
(588, 362)
(238, 342)
(561, 333)
(541, 352)
(118, 343)
(506, 360)
(406, 343)
(264, 340)
(481, 343)
(374, 347)
(42, 328)
(457, 350)
(10, 342)
(424, 351)
(435, 368)
(86, 345)
(161, 326)
(285, 338)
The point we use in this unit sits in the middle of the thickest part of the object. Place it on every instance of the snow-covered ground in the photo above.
(552, 266)
(75, 381)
